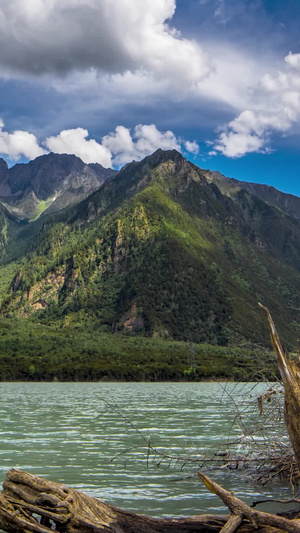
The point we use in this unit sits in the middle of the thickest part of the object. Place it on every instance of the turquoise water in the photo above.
(93, 437)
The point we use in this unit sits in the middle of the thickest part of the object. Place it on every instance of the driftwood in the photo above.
(31, 504)
(290, 375)
(26, 497)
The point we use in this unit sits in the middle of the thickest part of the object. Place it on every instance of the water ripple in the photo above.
(92, 436)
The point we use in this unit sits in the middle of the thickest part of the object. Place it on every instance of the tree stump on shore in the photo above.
(290, 375)
(31, 504)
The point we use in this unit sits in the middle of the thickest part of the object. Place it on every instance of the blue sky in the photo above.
(113, 80)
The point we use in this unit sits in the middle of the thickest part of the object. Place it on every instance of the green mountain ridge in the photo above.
(288, 203)
(160, 250)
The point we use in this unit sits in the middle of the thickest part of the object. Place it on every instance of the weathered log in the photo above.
(26, 497)
(31, 504)
(290, 375)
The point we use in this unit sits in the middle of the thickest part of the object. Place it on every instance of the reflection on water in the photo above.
(92, 436)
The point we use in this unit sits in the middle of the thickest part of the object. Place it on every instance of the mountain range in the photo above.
(161, 248)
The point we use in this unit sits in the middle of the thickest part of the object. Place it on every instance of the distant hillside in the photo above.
(48, 184)
(162, 249)
(288, 203)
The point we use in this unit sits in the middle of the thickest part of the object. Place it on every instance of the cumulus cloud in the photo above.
(115, 149)
(235, 144)
(74, 141)
(144, 141)
(113, 36)
(192, 147)
(293, 60)
(19, 144)
(276, 108)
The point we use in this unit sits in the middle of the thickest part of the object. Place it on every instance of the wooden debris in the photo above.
(240, 511)
(290, 375)
(31, 504)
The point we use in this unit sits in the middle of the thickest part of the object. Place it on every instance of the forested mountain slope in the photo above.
(163, 251)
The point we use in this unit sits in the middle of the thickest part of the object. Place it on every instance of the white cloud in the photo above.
(293, 60)
(144, 141)
(192, 147)
(275, 108)
(19, 144)
(234, 144)
(74, 141)
(120, 143)
(235, 74)
(115, 149)
(105, 53)
(113, 36)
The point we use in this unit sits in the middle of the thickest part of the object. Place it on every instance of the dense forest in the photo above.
(34, 352)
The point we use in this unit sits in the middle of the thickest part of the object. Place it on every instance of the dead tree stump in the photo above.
(290, 375)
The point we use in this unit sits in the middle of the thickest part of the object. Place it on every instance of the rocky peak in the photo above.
(3, 176)
(57, 180)
(3, 169)
(161, 156)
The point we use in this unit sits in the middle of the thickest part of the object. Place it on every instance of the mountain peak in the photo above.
(161, 156)
(3, 164)
(3, 176)
(57, 181)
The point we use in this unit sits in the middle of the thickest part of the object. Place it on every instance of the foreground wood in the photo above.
(33, 504)
(290, 375)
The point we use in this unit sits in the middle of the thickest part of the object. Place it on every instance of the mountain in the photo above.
(161, 249)
(49, 183)
(288, 203)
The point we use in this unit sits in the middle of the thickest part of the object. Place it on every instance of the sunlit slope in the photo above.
(161, 251)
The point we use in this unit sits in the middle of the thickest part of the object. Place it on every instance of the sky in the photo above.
(113, 80)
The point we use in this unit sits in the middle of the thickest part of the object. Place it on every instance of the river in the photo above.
(92, 436)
